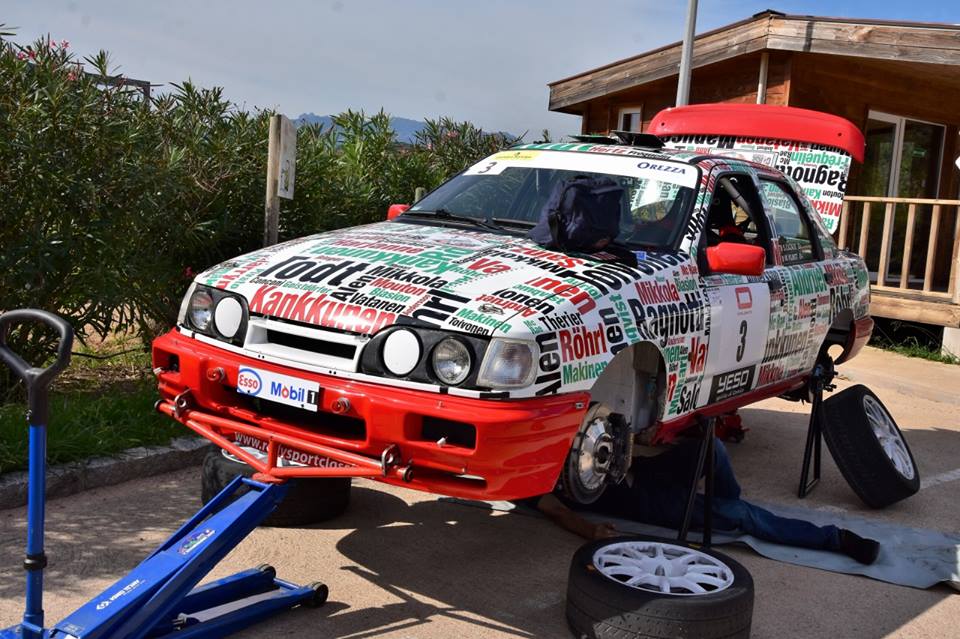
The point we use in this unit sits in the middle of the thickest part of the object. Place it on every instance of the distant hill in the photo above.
(406, 128)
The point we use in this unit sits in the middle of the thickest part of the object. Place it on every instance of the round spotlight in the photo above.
(228, 316)
(401, 352)
(451, 361)
(201, 310)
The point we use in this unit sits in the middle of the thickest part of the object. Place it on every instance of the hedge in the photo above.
(108, 203)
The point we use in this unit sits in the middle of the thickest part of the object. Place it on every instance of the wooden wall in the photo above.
(851, 87)
(729, 81)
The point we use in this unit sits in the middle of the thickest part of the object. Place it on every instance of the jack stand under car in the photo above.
(158, 598)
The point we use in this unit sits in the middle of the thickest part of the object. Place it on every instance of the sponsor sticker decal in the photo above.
(731, 383)
(283, 389)
(195, 540)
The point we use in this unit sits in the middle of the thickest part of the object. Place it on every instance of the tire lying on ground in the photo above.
(869, 448)
(308, 501)
(628, 587)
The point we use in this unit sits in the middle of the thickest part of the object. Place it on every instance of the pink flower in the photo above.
(21, 55)
(64, 44)
(71, 75)
(453, 134)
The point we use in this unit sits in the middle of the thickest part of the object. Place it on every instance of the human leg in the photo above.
(730, 514)
(725, 483)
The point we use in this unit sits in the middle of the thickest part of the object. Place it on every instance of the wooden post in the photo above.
(844, 223)
(955, 266)
(885, 244)
(931, 249)
(864, 230)
(908, 247)
(271, 207)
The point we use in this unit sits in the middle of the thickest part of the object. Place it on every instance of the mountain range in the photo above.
(406, 128)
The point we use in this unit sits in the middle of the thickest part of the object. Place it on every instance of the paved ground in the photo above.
(402, 564)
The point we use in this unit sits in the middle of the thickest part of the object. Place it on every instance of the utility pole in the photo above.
(281, 170)
(686, 55)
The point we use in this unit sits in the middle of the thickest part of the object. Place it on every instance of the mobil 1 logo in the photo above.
(735, 382)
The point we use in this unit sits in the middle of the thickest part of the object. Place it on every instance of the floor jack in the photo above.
(158, 598)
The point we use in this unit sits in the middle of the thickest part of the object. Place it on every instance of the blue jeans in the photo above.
(659, 496)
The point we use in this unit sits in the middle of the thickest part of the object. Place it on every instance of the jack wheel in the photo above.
(319, 596)
(268, 569)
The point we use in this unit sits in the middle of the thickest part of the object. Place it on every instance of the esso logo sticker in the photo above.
(249, 382)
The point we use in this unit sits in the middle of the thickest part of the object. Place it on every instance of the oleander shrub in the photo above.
(109, 203)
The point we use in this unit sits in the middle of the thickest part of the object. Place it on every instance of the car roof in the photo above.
(705, 160)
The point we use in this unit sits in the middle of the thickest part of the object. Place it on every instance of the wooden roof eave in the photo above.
(918, 43)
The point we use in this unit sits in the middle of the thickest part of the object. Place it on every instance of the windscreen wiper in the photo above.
(509, 221)
(444, 214)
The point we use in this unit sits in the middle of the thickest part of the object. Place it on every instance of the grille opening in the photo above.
(341, 426)
(333, 349)
(457, 433)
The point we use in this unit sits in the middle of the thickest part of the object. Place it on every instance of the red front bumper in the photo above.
(495, 449)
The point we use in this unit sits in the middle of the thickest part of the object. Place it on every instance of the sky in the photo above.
(486, 61)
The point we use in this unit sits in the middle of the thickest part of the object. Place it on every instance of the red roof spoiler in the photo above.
(761, 121)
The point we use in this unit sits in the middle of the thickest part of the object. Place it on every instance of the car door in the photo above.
(800, 296)
(739, 305)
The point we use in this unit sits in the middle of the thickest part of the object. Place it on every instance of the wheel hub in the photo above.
(889, 436)
(595, 454)
(663, 568)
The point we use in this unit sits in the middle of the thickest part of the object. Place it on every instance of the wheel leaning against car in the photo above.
(869, 448)
(308, 501)
(628, 587)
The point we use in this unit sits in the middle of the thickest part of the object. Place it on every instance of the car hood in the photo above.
(362, 279)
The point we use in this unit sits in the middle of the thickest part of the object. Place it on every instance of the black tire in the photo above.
(599, 607)
(858, 453)
(308, 501)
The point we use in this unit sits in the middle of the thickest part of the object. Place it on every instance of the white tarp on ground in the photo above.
(908, 556)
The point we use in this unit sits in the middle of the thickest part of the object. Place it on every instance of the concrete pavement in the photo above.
(402, 564)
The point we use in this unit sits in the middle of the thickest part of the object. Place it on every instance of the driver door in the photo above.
(739, 304)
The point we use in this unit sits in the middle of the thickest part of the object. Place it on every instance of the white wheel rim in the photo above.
(889, 436)
(663, 568)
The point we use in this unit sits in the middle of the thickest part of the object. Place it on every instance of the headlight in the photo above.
(451, 361)
(508, 363)
(401, 352)
(200, 311)
(228, 316)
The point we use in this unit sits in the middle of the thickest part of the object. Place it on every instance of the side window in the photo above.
(792, 228)
(736, 214)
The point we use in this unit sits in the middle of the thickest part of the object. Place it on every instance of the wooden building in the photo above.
(898, 81)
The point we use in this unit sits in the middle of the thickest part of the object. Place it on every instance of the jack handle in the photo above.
(37, 380)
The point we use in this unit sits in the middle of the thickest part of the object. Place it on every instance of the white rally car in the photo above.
(445, 351)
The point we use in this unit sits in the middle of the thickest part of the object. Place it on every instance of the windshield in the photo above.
(508, 190)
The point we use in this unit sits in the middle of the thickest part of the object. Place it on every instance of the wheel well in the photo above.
(838, 335)
(632, 385)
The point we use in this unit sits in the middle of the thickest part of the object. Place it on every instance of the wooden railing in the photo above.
(941, 250)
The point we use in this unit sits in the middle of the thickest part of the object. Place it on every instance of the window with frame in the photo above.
(631, 119)
(790, 225)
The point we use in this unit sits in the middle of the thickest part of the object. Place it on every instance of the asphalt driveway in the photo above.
(402, 564)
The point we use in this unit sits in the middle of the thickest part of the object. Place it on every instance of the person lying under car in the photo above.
(655, 492)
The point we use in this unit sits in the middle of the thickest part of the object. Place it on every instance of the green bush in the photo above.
(109, 204)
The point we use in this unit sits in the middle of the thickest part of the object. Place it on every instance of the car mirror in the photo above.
(736, 259)
(396, 209)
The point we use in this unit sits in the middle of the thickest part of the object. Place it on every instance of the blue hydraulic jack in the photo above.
(157, 598)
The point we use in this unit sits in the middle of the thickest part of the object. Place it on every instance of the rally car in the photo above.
(445, 351)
